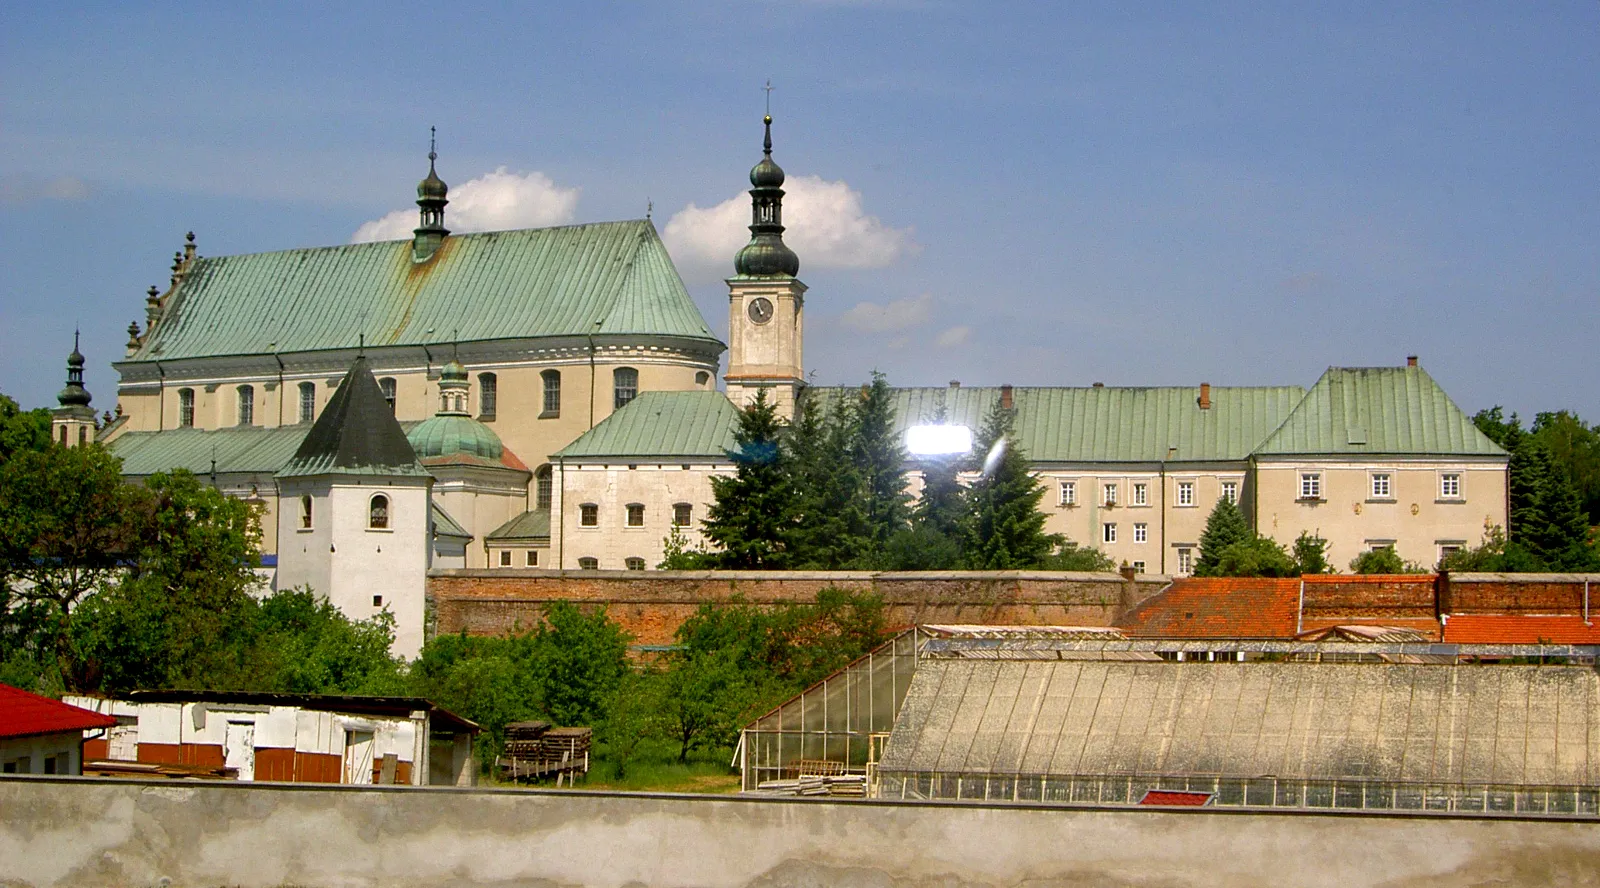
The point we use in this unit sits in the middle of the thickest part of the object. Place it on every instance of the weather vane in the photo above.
(433, 141)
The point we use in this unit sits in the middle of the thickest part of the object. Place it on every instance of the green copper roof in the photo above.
(356, 434)
(527, 526)
(236, 450)
(444, 525)
(1378, 410)
(447, 435)
(664, 424)
(1107, 424)
(607, 278)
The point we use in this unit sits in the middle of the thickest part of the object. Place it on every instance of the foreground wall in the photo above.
(82, 832)
(650, 605)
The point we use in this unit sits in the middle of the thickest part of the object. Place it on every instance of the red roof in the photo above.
(1218, 607)
(1519, 629)
(26, 715)
(1179, 798)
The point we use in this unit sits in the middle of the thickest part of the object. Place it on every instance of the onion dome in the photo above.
(455, 435)
(766, 255)
(433, 187)
(74, 395)
(453, 371)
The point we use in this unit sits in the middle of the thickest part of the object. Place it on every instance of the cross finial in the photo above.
(649, 207)
(433, 141)
(74, 338)
(768, 89)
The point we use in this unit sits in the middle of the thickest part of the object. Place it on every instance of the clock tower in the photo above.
(766, 303)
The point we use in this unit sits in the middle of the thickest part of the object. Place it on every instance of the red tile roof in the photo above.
(1175, 797)
(1519, 629)
(1217, 607)
(26, 715)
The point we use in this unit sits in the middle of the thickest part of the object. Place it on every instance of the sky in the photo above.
(1035, 194)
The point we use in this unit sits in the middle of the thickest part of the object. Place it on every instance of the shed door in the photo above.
(358, 756)
(239, 749)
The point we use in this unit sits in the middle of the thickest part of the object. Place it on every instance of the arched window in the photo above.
(543, 487)
(635, 563)
(247, 405)
(702, 378)
(588, 564)
(552, 393)
(186, 408)
(488, 393)
(624, 385)
(387, 384)
(378, 512)
(308, 401)
(63, 436)
(305, 511)
(83, 435)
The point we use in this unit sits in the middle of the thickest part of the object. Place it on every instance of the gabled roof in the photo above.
(1218, 607)
(1378, 410)
(356, 434)
(532, 525)
(250, 449)
(1109, 424)
(444, 525)
(24, 714)
(577, 280)
(662, 424)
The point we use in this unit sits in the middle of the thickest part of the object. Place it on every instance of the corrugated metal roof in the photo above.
(444, 525)
(665, 424)
(534, 525)
(1111, 424)
(1378, 410)
(484, 286)
(236, 450)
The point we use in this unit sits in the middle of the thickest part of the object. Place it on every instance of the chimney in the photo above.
(1411, 360)
(1205, 396)
(955, 383)
(1005, 398)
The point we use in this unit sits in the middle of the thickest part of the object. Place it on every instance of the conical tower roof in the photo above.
(356, 434)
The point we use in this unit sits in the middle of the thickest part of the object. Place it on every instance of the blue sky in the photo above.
(1051, 194)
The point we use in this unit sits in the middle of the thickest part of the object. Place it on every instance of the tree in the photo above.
(677, 554)
(754, 509)
(714, 683)
(1383, 560)
(1225, 526)
(879, 458)
(1311, 554)
(303, 644)
(1003, 527)
(1553, 525)
(1072, 556)
(830, 529)
(488, 680)
(1255, 556)
(22, 429)
(1575, 446)
(578, 661)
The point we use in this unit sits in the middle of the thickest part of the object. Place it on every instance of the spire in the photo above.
(766, 255)
(355, 434)
(74, 395)
(431, 198)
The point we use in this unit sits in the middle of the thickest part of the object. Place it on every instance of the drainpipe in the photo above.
(590, 337)
(1300, 609)
(561, 513)
(280, 387)
(1585, 602)
(161, 398)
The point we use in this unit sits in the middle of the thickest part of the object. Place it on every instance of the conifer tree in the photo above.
(1004, 529)
(1553, 526)
(829, 530)
(754, 510)
(1225, 526)
(879, 459)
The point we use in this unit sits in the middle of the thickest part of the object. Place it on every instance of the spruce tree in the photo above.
(829, 530)
(1554, 527)
(1004, 529)
(879, 459)
(1225, 526)
(755, 509)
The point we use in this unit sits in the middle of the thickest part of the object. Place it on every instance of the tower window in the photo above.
(702, 378)
(186, 408)
(588, 515)
(305, 512)
(682, 514)
(552, 394)
(83, 435)
(247, 405)
(625, 385)
(378, 513)
(388, 387)
(308, 401)
(488, 394)
(635, 514)
(63, 436)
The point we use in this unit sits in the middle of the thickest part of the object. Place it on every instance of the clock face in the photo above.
(761, 309)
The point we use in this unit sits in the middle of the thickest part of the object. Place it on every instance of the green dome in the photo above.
(453, 372)
(450, 435)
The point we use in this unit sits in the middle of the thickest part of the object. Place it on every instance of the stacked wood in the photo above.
(815, 785)
(148, 770)
(536, 750)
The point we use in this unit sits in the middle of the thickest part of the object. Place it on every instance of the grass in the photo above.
(655, 768)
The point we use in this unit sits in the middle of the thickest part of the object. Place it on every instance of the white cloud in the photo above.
(900, 314)
(826, 225)
(954, 336)
(497, 201)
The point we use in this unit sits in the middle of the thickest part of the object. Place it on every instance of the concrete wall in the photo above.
(82, 832)
(651, 605)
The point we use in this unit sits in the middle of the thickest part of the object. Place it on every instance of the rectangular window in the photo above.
(1185, 493)
(488, 395)
(682, 515)
(624, 386)
(1110, 491)
(377, 601)
(1138, 566)
(1108, 532)
(1069, 493)
(635, 514)
(308, 401)
(1141, 532)
(505, 557)
(1141, 494)
(1230, 491)
(1450, 485)
(1311, 485)
(1382, 488)
(532, 558)
(589, 515)
(1185, 561)
(305, 511)
(247, 405)
(186, 408)
(552, 393)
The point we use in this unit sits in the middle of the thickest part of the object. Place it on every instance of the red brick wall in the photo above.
(1514, 594)
(1333, 598)
(650, 606)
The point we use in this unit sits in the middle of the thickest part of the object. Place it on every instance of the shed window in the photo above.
(308, 401)
(625, 385)
(635, 514)
(186, 408)
(388, 386)
(552, 393)
(247, 405)
(682, 514)
(588, 564)
(488, 395)
(588, 515)
(378, 513)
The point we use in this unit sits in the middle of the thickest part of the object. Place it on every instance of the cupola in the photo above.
(432, 195)
(766, 255)
(452, 432)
